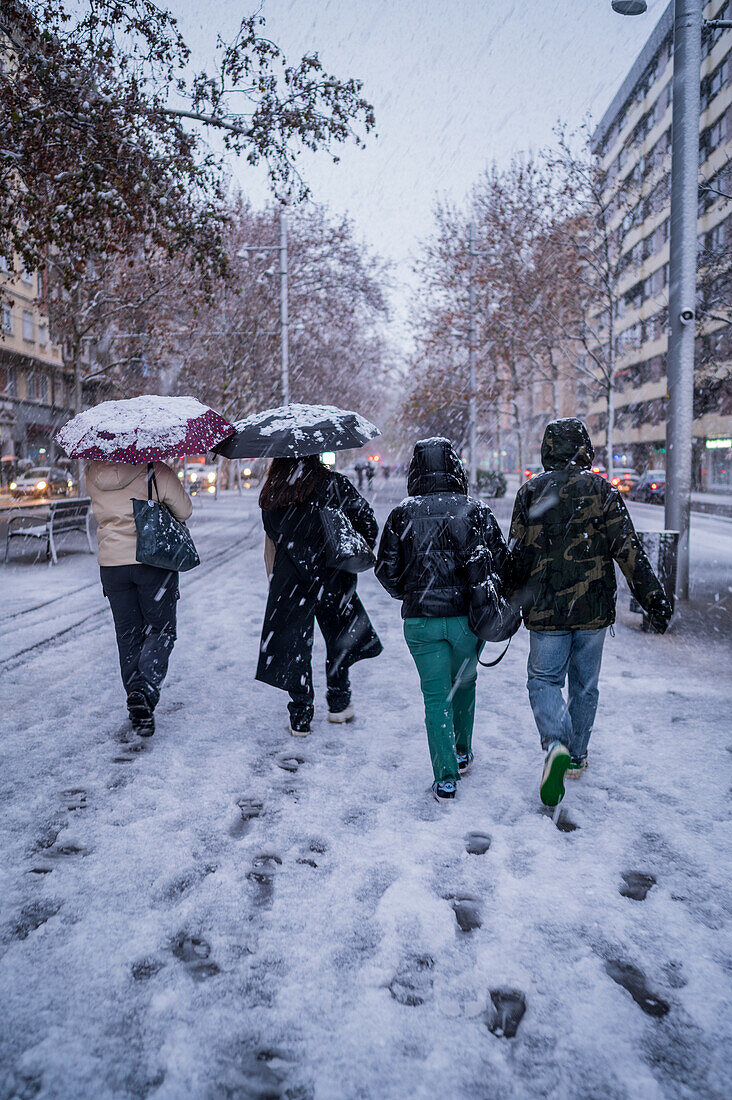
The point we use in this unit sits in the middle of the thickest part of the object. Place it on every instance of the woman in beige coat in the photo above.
(142, 597)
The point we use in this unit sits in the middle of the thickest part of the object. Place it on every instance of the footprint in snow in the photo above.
(32, 916)
(467, 911)
(636, 885)
(477, 844)
(289, 761)
(509, 1006)
(412, 983)
(194, 952)
(249, 810)
(180, 884)
(262, 876)
(73, 799)
(146, 968)
(560, 817)
(634, 981)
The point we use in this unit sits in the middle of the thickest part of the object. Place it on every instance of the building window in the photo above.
(4, 265)
(37, 386)
(6, 319)
(29, 328)
(26, 277)
(42, 334)
(11, 386)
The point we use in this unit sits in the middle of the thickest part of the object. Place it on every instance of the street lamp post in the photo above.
(682, 278)
(472, 380)
(282, 248)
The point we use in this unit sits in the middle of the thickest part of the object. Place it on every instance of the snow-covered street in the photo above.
(226, 911)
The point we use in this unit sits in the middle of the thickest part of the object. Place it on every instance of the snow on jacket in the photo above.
(429, 538)
(112, 487)
(569, 526)
(303, 587)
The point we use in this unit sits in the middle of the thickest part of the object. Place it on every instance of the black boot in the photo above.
(141, 714)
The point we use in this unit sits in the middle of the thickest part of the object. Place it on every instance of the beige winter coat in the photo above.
(112, 487)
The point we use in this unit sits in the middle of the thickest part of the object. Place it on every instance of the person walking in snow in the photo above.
(304, 589)
(143, 598)
(425, 546)
(569, 526)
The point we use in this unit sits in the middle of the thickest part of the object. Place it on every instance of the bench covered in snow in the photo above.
(63, 516)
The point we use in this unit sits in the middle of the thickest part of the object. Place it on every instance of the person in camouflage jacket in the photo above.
(569, 527)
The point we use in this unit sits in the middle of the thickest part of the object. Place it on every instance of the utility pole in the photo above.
(472, 384)
(282, 248)
(284, 329)
(682, 278)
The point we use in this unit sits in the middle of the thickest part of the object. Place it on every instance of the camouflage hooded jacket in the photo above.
(569, 526)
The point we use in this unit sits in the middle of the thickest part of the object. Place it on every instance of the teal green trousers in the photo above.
(445, 652)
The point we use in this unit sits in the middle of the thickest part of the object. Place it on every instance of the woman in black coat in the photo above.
(303, 588)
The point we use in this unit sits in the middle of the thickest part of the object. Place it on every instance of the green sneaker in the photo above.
(551, 789)
(577, 765)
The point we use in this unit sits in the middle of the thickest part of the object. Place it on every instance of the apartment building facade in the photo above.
(36, 392)
(633, 140)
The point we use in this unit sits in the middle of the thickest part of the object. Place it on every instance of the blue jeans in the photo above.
(553, 656)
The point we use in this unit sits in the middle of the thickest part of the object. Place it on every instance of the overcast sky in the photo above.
(454, 85)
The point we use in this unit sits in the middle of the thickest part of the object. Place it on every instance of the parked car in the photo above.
(624, 479)
(200, 479)
(42, 481)
(650, 488)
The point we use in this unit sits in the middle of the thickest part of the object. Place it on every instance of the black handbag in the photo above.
(162, 540)
(345, 548)
(491, 616)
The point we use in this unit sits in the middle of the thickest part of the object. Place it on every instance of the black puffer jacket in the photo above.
(430, 536)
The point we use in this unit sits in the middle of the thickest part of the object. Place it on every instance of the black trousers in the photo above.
(143, 601)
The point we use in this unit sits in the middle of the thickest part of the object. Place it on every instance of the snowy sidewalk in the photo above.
(230, 912)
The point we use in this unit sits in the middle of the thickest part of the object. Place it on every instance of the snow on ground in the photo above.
(227, 911)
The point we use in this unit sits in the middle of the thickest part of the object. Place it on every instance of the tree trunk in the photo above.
(609, 433)
(519, 436)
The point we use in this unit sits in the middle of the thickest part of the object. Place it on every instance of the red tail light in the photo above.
(653, 485)
(616, 481)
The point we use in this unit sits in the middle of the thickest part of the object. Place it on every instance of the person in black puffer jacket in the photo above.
(426, 544)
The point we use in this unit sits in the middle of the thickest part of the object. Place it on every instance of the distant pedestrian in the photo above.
(425, 546)
(304, 589)
(359, 470)
(143, 598)
(569, 527)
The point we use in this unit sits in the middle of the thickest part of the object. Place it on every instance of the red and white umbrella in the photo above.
(144, 429)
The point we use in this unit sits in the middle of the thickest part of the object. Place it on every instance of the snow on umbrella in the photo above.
(143, 429)
(292, 431)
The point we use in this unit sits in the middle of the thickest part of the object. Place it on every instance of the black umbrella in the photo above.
(292, 431)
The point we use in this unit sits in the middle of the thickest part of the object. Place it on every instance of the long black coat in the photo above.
(303, 589)
(429, 538)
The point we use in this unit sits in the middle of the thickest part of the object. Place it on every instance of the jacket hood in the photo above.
(435, 468)
(109, 476)
(566, 443)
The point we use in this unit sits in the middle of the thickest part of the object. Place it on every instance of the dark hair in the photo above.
(291, 481)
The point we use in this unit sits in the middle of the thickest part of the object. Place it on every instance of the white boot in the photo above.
(346, 715)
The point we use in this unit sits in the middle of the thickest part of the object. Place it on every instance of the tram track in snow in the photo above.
(73, 630)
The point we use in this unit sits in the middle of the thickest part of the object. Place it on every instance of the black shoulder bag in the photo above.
(162, 540)
(491, 616)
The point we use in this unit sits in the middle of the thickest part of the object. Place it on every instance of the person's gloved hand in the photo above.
(659, 614)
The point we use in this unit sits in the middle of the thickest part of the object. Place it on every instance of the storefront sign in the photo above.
(719, 444)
